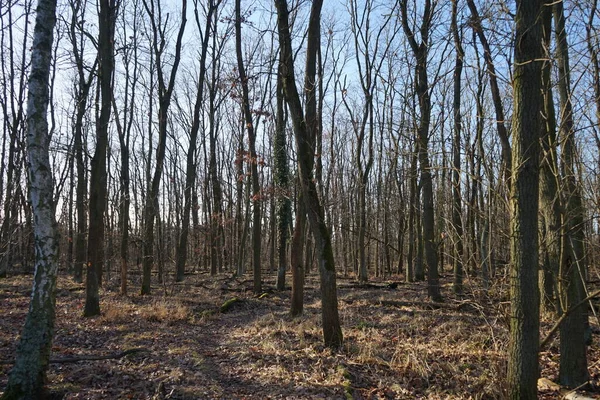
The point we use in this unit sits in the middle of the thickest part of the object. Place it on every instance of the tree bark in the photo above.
(281, 180)
(165, 91)
(98, 175)
(456, 187)
(523, 365)
(190, 169)
(28, 376)
(573, 370)
(332, 331)
(420, 51)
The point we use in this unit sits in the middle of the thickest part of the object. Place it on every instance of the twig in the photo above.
(565, 315)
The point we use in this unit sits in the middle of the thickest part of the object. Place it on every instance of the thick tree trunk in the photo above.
(28, 376)
(523, 365)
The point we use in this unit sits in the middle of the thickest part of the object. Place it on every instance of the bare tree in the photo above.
(550, 201)
(256, 195)
(124, 128)
(190, 173)
(332, 331)
(420, 51)
(371, 47)
(28, 376)
(495, 90)
(165, 92)
(13, 59)
(98, 176)
(456, 168)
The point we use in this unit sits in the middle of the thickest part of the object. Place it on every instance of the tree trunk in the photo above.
(98, 175)
(422, 90)
(28, 375)
(190, 169)
(550, 207)
(165, 91)
(523, 365)
(456, 187)
(332, 331)
(573, 361)
(256, 196)
(281, 180)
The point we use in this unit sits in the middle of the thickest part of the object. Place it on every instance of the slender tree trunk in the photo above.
(332, 331)
(256, 195)
(190, 169)
(551, 212)
(456, 187)
(282, 191)
(422, 88)
(98, 175)
(413, 270)
(297, 258)
(82, 94)
(573, 370)
(523, 365)
(495, 90)
(165, 91)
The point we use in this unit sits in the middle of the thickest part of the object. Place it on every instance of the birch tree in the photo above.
(28, 376)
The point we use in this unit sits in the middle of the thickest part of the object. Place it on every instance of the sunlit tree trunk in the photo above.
(332, 331)
(190, 169)
(420, 52)
(28, 376)
(165, 92)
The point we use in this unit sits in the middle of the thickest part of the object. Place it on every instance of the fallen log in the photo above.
(74, 359)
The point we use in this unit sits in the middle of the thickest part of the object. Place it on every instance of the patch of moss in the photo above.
(225, 307)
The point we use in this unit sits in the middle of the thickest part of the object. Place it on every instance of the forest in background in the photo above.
(172, 148)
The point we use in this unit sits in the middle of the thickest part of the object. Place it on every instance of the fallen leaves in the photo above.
(397, 346)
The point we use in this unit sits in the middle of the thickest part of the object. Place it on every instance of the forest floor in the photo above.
(397, 344)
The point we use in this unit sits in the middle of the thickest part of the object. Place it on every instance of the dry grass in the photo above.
(164, 310)
(397, 344)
